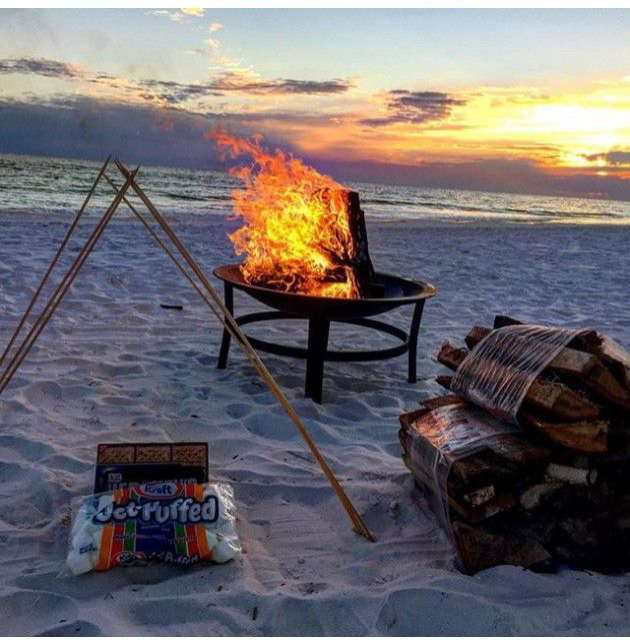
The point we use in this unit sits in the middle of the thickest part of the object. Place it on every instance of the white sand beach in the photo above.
(115, 366)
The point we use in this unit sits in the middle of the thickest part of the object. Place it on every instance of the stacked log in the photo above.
(559, 491)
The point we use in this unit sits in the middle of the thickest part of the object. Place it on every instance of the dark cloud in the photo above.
(613, 158)
(238, 83)
(292, 86)
(40, 67)
(415, 107)
(85, 128)
(88, 128)
(173, 92)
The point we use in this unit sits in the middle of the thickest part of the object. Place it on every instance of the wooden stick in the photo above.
(225, 317)
(69, 233)
(60, 292)
(62, 289)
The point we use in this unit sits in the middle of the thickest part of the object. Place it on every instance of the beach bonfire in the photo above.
(302, 232)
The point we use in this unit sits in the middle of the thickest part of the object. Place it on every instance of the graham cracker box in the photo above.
(120, 465)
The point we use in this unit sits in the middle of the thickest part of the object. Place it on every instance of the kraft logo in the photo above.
(159, 489)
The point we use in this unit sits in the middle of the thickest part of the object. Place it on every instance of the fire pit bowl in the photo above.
(390, 292)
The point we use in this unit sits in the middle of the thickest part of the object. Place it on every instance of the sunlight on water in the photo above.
(41, 185)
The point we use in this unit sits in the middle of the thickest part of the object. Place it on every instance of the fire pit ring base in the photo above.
(319, 318)
(330, 355)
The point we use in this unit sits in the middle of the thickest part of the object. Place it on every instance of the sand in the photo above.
(115, 366)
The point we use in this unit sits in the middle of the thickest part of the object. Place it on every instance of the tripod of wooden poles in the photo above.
(204, 288)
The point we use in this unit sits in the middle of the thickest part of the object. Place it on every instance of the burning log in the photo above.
(302, 231)
(345, 251)
(559, 489)
(335, 261)
(361, 264)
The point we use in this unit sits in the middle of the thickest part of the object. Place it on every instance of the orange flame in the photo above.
(296, 235)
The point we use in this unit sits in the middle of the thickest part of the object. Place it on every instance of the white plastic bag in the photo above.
(181, 523)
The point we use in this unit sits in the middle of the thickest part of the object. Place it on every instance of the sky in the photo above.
(532, 101)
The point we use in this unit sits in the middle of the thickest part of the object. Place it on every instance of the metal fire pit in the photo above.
(392, 292)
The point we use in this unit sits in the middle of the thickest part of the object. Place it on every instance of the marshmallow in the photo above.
(224, 551)
(79, 563)
(154, 522)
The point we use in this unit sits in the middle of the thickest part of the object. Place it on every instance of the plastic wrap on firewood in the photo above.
(484, 483)
(452, 452)
(500, 371)
(587, 437)
(551, 398)
(613, 355)
(565, 489)
(579, 368)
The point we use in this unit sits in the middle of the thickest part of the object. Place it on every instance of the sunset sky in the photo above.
(506, 100)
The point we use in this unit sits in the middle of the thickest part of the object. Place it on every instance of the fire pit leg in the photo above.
(413, 339)
(318, 329)
(225, 341)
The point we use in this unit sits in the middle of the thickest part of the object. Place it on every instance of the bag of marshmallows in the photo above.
(180, 523)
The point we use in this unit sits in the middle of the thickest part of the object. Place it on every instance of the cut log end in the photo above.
(587, 437)
(480, 549)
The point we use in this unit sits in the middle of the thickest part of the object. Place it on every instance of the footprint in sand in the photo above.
(46, 394)
(27, 612)
(271, 426)
(238, 410)
(78, 628)
(30, 450)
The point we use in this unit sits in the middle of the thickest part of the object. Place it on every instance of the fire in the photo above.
(296, 234)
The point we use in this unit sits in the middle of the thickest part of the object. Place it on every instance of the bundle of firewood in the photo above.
(557, 491)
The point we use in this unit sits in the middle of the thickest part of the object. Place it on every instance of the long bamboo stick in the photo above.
(225, 317)
(62, 288)
(55, 259)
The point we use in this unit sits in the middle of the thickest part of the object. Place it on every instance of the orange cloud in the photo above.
(586, 129)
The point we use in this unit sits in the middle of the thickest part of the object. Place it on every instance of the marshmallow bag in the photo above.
(180, 523)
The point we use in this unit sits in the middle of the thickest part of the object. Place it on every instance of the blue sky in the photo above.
(381, 46)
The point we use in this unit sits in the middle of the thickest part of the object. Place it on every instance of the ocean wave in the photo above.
(50, 185)
(188, 197)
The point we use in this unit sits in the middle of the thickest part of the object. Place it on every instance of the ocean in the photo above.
(31, 184)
